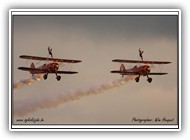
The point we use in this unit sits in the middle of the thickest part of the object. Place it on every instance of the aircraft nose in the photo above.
(148, 68)
(56, 66)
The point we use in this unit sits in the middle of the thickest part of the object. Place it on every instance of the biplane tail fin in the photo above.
(32, 66)
(122, 67)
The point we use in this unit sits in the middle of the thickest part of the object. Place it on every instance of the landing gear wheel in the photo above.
(137, 79)
(45, 76)
(58, 78)
(149, 80)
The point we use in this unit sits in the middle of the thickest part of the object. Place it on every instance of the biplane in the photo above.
(48, 68)
(141, 70)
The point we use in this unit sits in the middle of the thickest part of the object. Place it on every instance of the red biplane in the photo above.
(48, 68)
(144, 70)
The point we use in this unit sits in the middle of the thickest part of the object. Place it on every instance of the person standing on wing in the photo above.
(140, 54)
(50, 51)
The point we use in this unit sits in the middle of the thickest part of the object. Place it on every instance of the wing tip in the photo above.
(22, 56)
(78, 61)
(115, 60)
(20, 68)
(74, 72)
(116, 71)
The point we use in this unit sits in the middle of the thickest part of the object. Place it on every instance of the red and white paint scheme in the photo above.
(142, 70)
(48, 68)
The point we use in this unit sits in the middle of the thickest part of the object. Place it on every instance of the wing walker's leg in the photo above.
(141, 57)
(50, 51)
(51, 54)
(140, 54)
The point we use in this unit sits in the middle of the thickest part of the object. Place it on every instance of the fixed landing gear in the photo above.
(45, 76)
(58, 78)
(137, 78)
(149, 79)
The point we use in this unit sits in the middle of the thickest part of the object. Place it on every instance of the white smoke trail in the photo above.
(29, 81)
(24, 107)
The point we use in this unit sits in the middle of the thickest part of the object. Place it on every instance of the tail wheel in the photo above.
(45, 76)
(149, 80)
(58, 78)
(137, 79)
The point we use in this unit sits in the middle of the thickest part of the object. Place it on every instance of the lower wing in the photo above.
(124, 72)
(135, 73)
(67, 72)
(40, 71)
(157, 73)
(32, 70)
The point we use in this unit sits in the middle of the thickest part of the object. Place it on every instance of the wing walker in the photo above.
(142, 70)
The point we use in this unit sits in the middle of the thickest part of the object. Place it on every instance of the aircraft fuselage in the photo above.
(50, 68)
(142, 70)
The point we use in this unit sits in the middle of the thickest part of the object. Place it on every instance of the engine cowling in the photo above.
(55, 66)
(147, 69)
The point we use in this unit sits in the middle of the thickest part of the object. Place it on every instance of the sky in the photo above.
(96, 40)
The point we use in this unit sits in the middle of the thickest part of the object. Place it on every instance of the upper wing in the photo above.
(136, 73)
(137, 61)
(49, 59)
